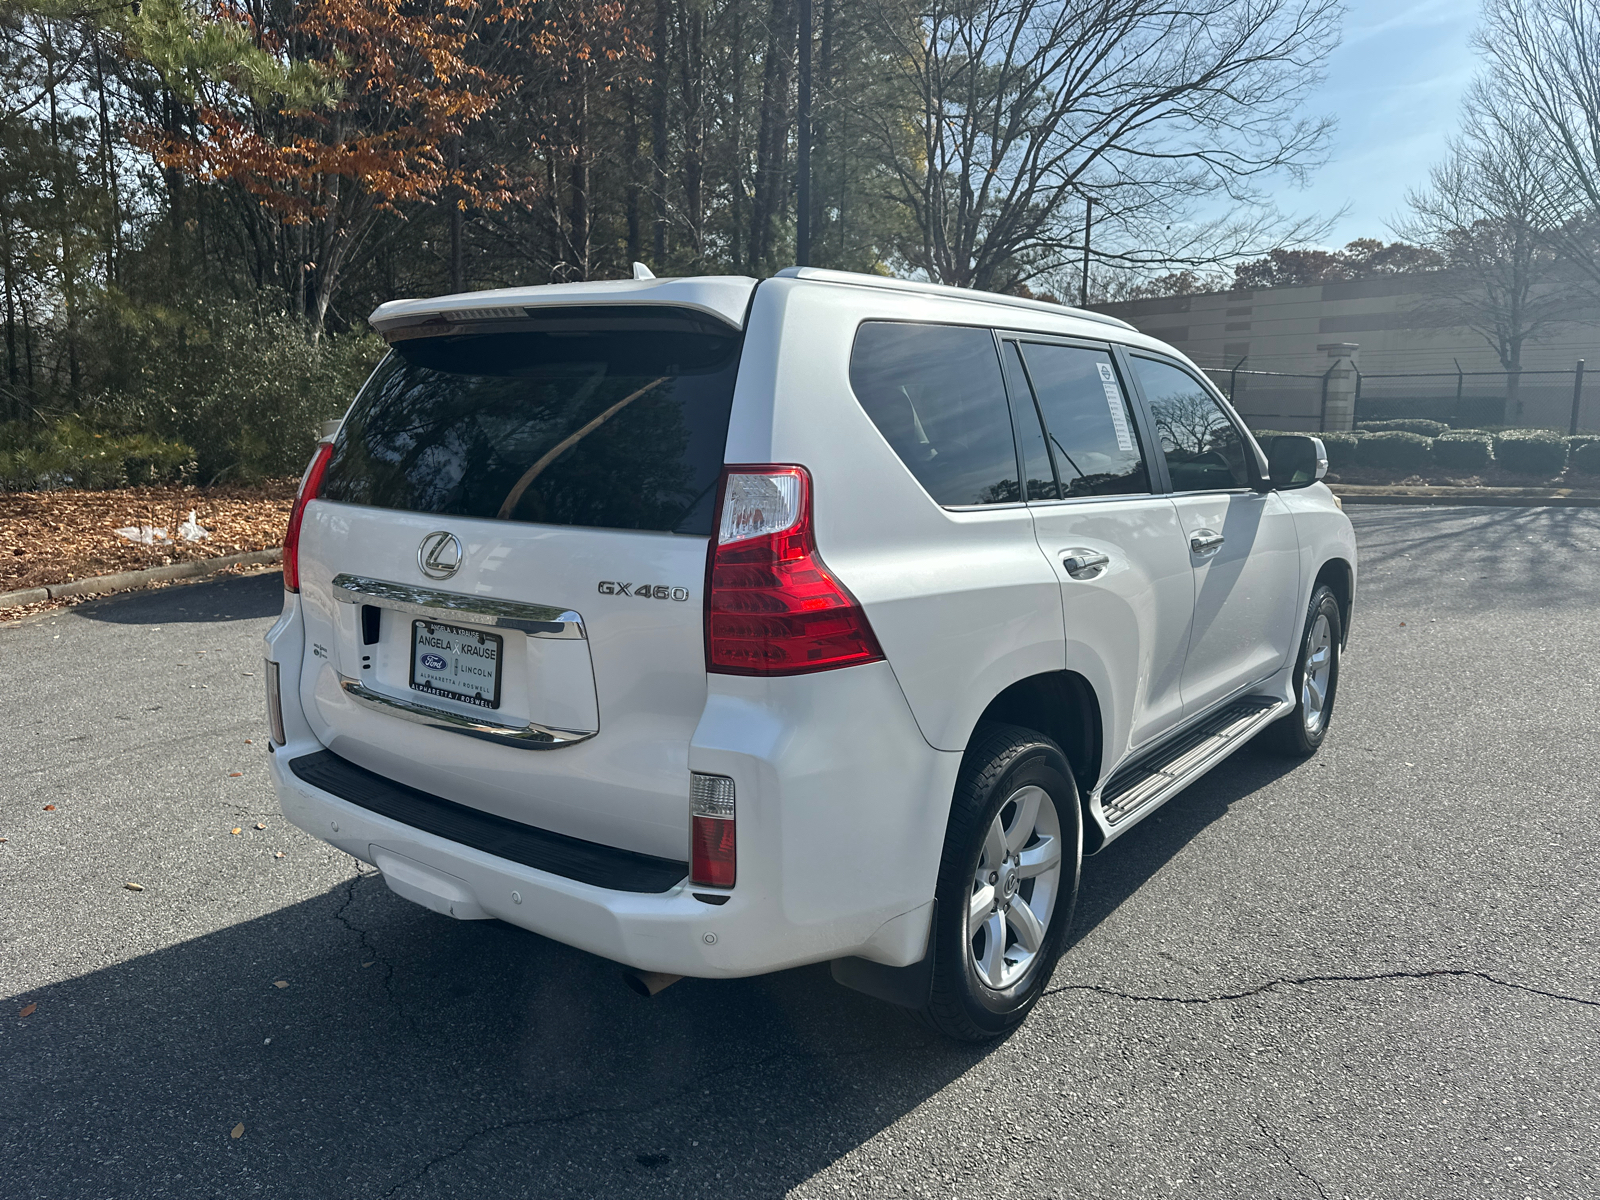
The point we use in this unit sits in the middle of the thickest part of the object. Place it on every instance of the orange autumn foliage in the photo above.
(405, 84)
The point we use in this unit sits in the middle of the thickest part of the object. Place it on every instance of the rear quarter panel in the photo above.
(963, 602)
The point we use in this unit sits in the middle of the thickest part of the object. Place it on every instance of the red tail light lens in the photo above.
(713, 855)
(713, 851)
(772, 605)
(310, 485)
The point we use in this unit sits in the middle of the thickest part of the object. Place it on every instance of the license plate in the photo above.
(459, 664)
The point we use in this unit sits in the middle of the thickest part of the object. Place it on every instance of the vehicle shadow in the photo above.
(230, 598)
(469, 1058)
(1115, 874)
(411, 1055)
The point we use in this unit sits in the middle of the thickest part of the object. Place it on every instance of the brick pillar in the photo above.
(1339, 408)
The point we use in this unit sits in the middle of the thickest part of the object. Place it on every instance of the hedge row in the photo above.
(1408, 425)
(1410, 445)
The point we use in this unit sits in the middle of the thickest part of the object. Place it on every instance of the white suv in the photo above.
(719, 627)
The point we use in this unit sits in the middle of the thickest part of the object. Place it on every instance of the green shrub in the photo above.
(1394, 449)
(1531, 452)
(66, 452)
(248, 391)
(1341, 449)
(1407, 425)
(1463, 449)
(1586, 458)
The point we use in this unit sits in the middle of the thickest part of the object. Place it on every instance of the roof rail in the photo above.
(856, 279)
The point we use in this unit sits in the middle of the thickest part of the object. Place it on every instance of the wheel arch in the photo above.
(1064, 707)
(1340, 577)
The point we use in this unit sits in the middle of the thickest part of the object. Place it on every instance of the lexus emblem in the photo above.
(440, 555)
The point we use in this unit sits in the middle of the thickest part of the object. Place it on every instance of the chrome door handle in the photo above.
(1085, 565)
(1205, 541)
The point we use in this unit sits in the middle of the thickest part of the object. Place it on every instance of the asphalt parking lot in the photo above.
(1373, 974)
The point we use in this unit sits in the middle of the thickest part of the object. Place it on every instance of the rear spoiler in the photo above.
(712, 304)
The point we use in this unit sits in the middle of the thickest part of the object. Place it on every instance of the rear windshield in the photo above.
(616, 428)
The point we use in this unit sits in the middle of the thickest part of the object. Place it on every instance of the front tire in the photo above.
(1008, 882)
(1316, 680)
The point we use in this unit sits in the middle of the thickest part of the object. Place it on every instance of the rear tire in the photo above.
(1316, 681)
(1008, 882)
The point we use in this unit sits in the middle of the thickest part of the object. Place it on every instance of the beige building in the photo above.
(1379, 328)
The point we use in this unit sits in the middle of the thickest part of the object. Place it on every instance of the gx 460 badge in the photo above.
(643, 591)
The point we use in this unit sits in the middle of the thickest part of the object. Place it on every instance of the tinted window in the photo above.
(935, 393)
(1041, 476)
(621, 428)
(1092, 434)
(1203, 448)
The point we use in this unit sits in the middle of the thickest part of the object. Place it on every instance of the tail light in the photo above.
(772, 606)
(310, 485)
(713, 849)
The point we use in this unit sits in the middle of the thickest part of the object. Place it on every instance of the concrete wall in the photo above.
(1289, 329)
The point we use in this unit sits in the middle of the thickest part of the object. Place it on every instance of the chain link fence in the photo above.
(1281, 400)
(1297, 402)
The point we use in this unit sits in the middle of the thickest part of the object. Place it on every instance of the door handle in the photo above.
(1085, 564)
(1205, 541)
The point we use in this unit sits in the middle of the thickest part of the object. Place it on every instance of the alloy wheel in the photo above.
(1015, 888)
(1318, 674)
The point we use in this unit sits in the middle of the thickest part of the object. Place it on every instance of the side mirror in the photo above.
(1295, 461)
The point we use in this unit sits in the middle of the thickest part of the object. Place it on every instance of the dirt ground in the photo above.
(55, 537)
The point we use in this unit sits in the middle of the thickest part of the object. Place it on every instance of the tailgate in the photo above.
(501, 579)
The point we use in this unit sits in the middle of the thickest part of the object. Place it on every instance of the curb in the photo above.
(1473, 497)
(124, 581)
(1477, 501)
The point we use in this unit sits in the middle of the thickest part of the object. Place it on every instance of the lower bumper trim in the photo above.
(568, 857)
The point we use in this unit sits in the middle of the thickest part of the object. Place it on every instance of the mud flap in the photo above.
(909, 987)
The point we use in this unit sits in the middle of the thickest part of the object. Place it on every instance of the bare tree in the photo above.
(1019, 111)
(1484, 213)
(1544, 76)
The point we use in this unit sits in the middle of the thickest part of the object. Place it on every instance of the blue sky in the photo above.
(1395, 84)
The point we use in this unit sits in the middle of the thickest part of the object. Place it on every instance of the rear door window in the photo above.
(1089, 424)
(1203, 448)
(621, 428)
(936, 395)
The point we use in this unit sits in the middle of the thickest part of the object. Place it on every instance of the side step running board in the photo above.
(1142, 786)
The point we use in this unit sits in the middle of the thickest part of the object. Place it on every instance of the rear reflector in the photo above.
(772, 605)
(713, 845)
(274, 704)
(310, 485)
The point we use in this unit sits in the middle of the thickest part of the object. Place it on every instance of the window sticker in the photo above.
(1119, 416)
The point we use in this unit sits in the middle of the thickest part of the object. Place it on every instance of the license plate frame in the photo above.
(446, 644)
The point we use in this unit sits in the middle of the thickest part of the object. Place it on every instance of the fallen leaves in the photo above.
(259, 825)
(235, 774)
(236, 830)
(49, 808)
(237, 1131)
(280, 983)
(279, 854)
(134, 887)
(28, 1009)
(73, 533)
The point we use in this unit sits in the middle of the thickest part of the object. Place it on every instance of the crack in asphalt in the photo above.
(1306, 980)
(1288, 1158)
(617, 1110)
(369, 948)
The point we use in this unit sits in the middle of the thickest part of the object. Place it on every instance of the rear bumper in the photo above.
(663, 931)
(841, 815)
